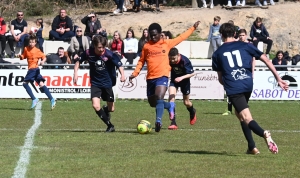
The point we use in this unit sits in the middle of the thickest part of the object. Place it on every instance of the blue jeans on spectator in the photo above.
(61, 37)
(119, 4)
(137, 3)
(24, 40)
(41, 42)
(216, 43)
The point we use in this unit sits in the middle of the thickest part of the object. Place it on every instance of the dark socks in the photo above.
(256, 128)
(103, 117)
(248, 136)
(159, 110)
(173, 121)
(29, 91)
(47, 92)
(191, 110)
(229, 105)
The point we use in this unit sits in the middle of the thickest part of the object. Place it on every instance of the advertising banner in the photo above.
(204, 85)
(266, 87)
(59, 82)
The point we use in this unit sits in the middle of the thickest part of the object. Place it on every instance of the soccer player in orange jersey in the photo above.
(33, 54)
(155, 53)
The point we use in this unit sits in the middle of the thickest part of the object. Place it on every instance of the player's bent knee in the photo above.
(96, 107)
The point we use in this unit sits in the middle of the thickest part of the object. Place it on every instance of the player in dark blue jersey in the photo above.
(181, 72)
(233, 62)
(103, 64)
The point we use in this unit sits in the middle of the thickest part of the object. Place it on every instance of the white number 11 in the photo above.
(237, 56)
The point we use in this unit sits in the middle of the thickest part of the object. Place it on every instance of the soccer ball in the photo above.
(144, 127)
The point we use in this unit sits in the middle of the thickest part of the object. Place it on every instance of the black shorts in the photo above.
(240, 101)
(185, 86)
(106, 94)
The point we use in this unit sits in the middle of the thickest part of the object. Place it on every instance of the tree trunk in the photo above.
(194, 4)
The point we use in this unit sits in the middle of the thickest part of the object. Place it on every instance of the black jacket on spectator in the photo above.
(258, 31)
(283, 62)
(62, 23)
(90, 29)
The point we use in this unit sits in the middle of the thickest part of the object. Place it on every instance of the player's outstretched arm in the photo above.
(183, 36)
(121, 70)
(139, 65)
(269, 64)
(179, 79)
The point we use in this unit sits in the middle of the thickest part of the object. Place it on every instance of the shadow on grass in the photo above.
(17, 109)
(91, 131)
(214, 113)
(201, 152)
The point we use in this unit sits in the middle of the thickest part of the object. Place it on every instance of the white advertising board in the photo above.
(204, 85)
(59, 82)
(266, 88)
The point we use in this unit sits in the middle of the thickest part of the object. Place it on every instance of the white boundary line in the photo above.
(21, 168)
(131, 129)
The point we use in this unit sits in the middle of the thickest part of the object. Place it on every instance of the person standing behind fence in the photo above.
(279, 60)
(130, 47)
(33, 54)
(2, 36)
(214, 35)
(259, 33)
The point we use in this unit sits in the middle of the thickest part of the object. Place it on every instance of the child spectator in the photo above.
(38, 31)
(214, 35)
(259, 33)
(237, 29)
(166, 35)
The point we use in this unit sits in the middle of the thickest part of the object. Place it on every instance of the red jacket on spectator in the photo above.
(2, 26)
(117, 45)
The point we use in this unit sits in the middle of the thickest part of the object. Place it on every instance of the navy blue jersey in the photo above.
(102, 68)
(234, 60)
(183, 67)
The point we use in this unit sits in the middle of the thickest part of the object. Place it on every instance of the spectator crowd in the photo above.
(63, 29)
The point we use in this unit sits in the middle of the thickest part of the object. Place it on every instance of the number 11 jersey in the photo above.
(234, 60)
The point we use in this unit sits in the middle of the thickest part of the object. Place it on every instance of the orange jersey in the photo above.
(157, 56)
(32, 55)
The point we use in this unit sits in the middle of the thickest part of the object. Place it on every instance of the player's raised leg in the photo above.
(172, 94)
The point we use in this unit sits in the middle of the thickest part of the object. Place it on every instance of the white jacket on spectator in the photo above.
(74, 44)
(130, 45)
